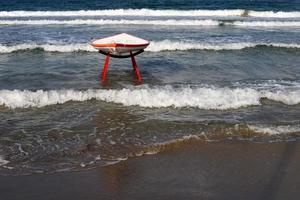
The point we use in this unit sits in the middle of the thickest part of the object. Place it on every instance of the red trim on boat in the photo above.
(119, 45)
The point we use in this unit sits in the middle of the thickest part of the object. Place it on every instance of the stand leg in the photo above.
(104, 71)
(134, 65)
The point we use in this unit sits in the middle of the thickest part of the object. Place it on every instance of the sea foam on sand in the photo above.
(3, 161)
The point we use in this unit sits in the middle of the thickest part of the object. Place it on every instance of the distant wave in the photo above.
(170, 22)
(167, 45)
(167, 22)
(155, 46)
(264, 23)
(47, 47)
(165, 96)
(150, 12)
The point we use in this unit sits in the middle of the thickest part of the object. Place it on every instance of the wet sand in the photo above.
(196, 170)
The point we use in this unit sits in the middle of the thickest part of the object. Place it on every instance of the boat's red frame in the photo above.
(118, 45)
(134, 65)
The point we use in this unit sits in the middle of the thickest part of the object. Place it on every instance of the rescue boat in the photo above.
(120, 46)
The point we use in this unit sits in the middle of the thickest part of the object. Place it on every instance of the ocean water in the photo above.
(214, 71)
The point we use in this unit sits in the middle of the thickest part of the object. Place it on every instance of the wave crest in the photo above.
(167, 22)
(47, 47)
(275, 130)
(168, 45)
(155, 46)
(3, 161)
(167, 96)
(151, 12)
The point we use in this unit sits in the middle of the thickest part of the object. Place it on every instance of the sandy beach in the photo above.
(194, 170)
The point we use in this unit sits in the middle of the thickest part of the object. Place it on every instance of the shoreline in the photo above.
(196, 170)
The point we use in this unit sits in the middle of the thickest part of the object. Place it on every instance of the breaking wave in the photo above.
(47, 47)
(155, 46)
(167, 22)
(3, 161)
(265, 23)
(151, 12)
(145, 96)
(275, 130)
(168, 45)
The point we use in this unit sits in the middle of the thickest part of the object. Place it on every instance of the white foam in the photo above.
(275, 130)
(284, 45)
(155, 46)
(167, 45)
(165, 96)
(121, 12)
(265, 23)
(273, 14)
(151, 12)
(166, 22)
(47, 47)
(3, 161)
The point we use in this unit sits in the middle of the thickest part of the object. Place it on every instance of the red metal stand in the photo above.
(134, 65)
(136, 69)
(104, 71)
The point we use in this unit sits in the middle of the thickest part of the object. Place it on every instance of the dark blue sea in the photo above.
(214, 71)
